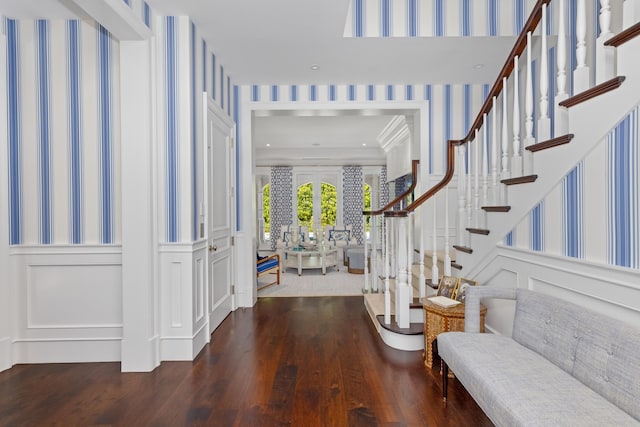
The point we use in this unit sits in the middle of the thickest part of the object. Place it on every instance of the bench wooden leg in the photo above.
(444, 370)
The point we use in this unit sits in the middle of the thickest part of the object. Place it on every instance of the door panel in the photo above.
(219, 216)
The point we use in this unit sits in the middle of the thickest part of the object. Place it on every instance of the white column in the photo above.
(469, 188)
(373, 230)
(581, 73)
(544, 122)
(139, 241)
(605, 55)
(462, 192)
(6, 315)
(561, 126)
(516, 168)
(410, 234)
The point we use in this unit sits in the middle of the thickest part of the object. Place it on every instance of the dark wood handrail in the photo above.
(507, 68)
(624, 36)
(451, 148)
(414, 174)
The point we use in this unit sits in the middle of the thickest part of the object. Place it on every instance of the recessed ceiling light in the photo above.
(478, 66)
(268, 145)
(364, 144)
(315, 67)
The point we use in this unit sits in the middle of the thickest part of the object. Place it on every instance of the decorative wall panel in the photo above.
(353, 199)
(281, 198)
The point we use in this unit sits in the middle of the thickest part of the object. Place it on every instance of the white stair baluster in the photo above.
(494, 153)
(505, 137)
(435, 274)
(528, 109)
(367, 282)
(447, 255)
(581, 73)
(387, 291)
(485, 168)
(544, 122)
(469, 188)
(476, 180)
(516, 168)
(561, 126)
(462, 191)
(421, 276)
(605, 55)
(402, 285)
(410, 230)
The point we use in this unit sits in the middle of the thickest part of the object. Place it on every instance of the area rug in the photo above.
(313, 284)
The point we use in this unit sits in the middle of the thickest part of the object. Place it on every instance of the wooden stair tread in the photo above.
(561, 140)
(597, 90)
(519, 180)
(413, 329)
(464, 249)
(624, 36)
(496, 208)
(456, 265)
(478, 231)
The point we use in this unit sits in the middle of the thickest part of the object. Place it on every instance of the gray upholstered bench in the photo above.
(564, 365)
(355, 260)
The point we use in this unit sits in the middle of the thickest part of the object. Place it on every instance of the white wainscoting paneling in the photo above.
(612, 291)
(183, 330)
(68, 303)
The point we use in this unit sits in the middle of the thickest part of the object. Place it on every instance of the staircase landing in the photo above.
(407, 339)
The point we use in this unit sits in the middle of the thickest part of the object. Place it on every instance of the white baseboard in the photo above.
(5, 354)
(183, 348)
(67, 351)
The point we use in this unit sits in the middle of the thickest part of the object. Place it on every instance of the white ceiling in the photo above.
(277, 41)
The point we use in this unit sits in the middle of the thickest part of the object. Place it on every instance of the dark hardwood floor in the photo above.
(287, 361)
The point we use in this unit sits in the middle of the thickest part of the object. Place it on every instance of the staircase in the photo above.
(495, 194)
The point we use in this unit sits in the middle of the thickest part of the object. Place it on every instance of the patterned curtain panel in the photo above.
(400, 186)
(384, 187)
(353, 199)
(281, 198)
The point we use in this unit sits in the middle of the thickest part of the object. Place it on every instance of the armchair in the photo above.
(269, 265)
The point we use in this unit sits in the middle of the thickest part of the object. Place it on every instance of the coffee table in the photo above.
(306, 258)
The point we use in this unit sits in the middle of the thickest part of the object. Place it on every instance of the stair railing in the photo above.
(382, 239)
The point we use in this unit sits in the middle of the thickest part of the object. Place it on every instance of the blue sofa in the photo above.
(564, 365)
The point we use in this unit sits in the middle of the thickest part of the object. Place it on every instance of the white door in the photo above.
(220, 214)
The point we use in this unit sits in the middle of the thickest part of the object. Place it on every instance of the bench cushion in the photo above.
(516, 386)
(269, 264)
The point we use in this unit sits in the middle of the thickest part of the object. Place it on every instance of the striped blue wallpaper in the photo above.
(623, 234)
(74, 130)
(105, 110)
(567, 207)
(62, 144)
(572, 213)
(14, 132)
(536, 232)
(436, 18)
(43, 78)
(194, 135)
(171, 132)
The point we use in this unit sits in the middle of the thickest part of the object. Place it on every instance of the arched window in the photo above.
(305, 205)
(328, 204)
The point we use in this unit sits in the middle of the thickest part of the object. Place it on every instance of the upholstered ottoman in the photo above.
(355, 261)
(345, 251)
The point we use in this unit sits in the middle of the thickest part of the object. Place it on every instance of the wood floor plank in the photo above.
(286, 361)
